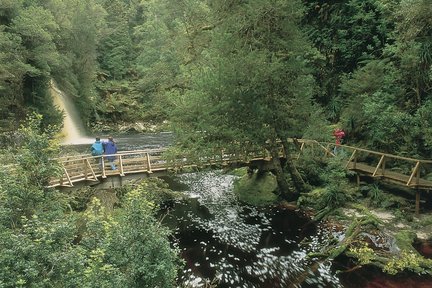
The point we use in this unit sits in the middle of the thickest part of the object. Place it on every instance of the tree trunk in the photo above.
(298, 181)
(283, 185)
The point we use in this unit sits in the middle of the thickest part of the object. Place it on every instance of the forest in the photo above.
(214, 72)
(362, 64)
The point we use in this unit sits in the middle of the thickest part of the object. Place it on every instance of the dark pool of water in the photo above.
(235, 245)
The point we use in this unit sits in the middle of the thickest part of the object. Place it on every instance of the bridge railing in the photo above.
(90, 168)
(404, 170)
(408, 171)
(79, 168)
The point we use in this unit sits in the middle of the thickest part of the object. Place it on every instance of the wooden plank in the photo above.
(91, 170)
(121, 165)
(350, 159)
(148, 163)
(413, 173)
(67, 176)
(379, 164)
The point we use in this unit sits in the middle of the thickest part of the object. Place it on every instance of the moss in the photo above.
(239, 172)
(257, 189)
(404, 240)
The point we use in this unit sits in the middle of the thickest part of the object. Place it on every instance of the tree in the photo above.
(347, 33)
(42, 243)
(255, 86)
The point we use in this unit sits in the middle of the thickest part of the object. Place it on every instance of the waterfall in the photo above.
(73, 131)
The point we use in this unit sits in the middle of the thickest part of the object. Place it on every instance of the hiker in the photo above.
(338, 134)
(110, 148)
(97, 150)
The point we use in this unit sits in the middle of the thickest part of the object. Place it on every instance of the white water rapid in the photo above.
(73, 131)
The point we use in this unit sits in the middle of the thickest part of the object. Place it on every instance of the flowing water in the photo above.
(231, 244)
(237, 245)
(73, 131)
(124, 143)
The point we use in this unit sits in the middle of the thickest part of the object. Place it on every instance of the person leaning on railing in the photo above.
(97, 149)
(338, 134)
(110, 148)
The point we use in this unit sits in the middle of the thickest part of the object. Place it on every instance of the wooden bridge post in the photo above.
(91, 170)
(418, 191)
(416, 171)
(149, 170)
(353, 156)
(327, 151)
(103, 167)
(67, 176)
(121, 165)
(85, 168)
(381, 164)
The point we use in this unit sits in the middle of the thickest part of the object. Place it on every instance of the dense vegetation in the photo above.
(222, 73)
(54, 239)
(365, 64)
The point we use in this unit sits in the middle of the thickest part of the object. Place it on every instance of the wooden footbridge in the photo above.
(402, 171)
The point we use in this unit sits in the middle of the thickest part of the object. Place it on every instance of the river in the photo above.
(235, 245)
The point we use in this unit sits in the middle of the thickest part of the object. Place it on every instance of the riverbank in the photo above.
(390, 238)
(129, 127)
(372, 226)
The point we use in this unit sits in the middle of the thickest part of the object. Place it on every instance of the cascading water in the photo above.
(73, 131)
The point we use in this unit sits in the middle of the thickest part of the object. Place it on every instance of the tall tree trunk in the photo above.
(298, 181)
(283, 185)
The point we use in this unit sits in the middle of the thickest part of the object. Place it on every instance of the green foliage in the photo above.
(363, 253)
(337, 189)
(156, 190)
(376, 195)
(408, 261)
(45, 244)
(311, 166)
(144, 254)
(257, 189)
(23, 190)
(346, 33)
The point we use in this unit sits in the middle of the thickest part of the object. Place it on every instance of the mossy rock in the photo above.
(240, 172)
(257, 189)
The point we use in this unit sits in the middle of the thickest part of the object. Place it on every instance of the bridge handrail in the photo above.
(379, 153)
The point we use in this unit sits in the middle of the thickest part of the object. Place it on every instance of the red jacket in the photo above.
(339, 134)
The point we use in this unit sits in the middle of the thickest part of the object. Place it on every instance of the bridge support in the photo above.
(417, 204)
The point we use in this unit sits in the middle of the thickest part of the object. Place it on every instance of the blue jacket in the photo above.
(97, 148)
(110, 148)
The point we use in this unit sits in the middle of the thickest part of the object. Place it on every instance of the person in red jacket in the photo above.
(338, 134)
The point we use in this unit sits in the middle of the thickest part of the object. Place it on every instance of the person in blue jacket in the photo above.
(110, 148)
(97, 149)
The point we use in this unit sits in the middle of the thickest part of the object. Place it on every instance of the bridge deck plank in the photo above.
(391, 176)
